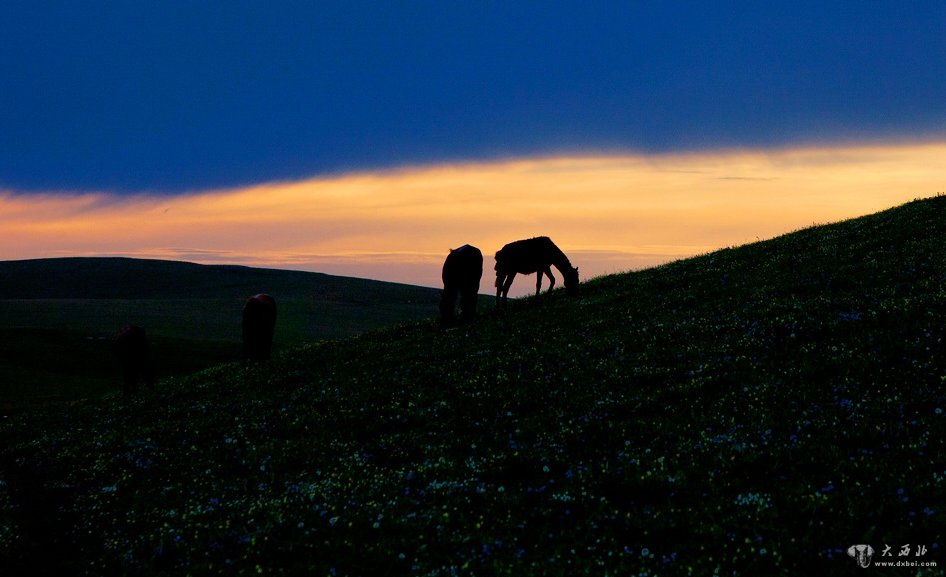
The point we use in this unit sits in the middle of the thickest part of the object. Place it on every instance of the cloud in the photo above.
(101, 99)
(610, 214)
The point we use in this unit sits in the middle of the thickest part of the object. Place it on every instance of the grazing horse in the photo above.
(259, 324)
(462, 271)
(134, 354)
(529, 256)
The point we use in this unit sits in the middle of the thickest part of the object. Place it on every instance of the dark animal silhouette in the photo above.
(134, 354)
(259, 325)
(462, 271)
(529, 256)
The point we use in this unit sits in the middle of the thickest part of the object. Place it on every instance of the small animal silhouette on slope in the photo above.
(462, 271)
(528, 256)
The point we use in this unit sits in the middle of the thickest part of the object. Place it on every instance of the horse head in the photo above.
(571, 281)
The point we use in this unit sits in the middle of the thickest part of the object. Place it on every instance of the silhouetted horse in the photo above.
(462, 271)
(529, 256)
(259, 324)
(134, 354)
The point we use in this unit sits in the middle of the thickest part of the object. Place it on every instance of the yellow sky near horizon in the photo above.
(608, 213)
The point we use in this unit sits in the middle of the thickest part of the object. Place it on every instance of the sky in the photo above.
(368, 138)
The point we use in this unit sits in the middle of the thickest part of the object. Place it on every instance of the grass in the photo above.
(59, 317)
(754, 411)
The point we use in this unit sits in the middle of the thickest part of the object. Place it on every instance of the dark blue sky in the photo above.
(174, 96)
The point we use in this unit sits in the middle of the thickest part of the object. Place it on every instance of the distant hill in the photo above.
(753, 411)
(58, 316)
(128, 278)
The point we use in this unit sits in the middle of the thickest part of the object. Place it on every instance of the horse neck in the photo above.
(560, 261)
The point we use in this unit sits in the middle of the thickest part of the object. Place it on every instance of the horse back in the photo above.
(527, 256)
(463, 265)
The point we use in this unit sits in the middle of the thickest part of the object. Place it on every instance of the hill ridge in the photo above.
(754, 411)
(123, 277)
(58, 317)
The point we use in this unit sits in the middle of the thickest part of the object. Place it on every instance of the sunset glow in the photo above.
(608, 213)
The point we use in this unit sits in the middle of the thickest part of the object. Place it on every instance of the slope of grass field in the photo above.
(754, 411)
(59, 317)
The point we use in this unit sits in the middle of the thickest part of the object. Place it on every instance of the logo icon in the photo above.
(861, 554)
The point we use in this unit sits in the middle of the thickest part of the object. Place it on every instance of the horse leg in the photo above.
(447, 303)
(507, 285)
(538, 282)
(130, 378)
(146, 368)
(467, 304)
(505, 288)
(548, 271)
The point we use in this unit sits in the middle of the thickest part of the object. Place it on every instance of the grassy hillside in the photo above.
(755, 411)
(58, 317)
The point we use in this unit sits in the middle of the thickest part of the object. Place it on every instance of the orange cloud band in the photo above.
(609, 213)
